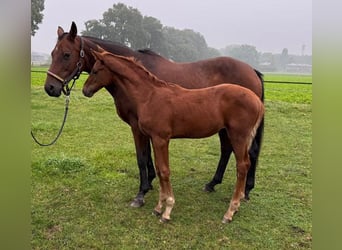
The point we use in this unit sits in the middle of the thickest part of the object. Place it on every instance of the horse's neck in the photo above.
(89, 60)
(91, 44)
(147, 58)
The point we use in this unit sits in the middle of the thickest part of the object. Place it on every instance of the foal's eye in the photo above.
(66, 56)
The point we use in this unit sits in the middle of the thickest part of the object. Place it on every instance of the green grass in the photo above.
(82, 186)
(288, 78)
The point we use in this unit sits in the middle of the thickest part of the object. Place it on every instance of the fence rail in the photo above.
(287, 82)
(266, 81)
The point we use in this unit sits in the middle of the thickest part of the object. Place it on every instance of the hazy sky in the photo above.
(269, 25)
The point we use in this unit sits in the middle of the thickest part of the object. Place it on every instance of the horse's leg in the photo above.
(161, 155)
(142, 152)
(254, 152)
(226, 151)
(151, 173)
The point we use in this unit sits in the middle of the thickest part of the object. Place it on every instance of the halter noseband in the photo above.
(74, 75)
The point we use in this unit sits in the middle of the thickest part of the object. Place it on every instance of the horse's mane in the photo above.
(109, 43)
(139, 65)
(105, 42)
(149, 52)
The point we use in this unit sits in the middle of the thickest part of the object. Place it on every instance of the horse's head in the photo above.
(67, 61)
(100, 75)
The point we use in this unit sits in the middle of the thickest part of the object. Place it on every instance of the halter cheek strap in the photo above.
(74, 75)
(55, 76)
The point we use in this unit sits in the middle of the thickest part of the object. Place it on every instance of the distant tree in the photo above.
(37, 7)
(212, 52)
(95, 28)
(267, 62)
(120, 23)
(155, 39)
(245, 53)
(185, 45)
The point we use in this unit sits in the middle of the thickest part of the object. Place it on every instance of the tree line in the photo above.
(129, 27)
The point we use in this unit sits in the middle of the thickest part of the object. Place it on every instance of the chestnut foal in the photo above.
(165, 110)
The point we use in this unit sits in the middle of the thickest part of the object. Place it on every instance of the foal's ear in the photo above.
(100, 49)
(96, 55)
(73, 31)
(60, 31)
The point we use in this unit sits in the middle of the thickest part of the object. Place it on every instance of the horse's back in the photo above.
(232, 71)
(206, 73)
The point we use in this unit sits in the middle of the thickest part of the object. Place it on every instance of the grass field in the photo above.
(82, 186)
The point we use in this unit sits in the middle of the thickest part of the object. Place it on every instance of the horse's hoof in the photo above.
(137, 202)
(208, 188)
(156, 213)
(246, 198)
(225, 220)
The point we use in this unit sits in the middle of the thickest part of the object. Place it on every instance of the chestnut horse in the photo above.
(164, 110)
(71, 55)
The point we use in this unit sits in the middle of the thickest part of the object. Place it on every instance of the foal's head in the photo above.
(99, 77)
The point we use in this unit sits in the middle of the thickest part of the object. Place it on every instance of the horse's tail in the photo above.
(261, 77)
(260, 130)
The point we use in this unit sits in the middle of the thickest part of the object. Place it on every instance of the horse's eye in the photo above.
(66, 56)
(94, 72)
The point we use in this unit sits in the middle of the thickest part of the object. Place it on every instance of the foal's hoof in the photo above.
(226, 220)
(164, 220)
(156, 213)
(208, 188)
(137, 202)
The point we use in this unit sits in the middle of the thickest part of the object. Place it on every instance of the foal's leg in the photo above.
(161, 155)
(226, 150)
(143, 153)
(242, 166)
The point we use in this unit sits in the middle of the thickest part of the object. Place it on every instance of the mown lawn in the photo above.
(82, 186)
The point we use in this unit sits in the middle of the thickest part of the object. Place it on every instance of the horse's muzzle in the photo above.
(52, 90)
(87, 92)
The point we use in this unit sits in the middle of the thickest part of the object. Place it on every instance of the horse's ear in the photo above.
(60, 31)
(73, 31)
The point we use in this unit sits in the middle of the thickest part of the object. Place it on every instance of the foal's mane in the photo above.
(134, 62)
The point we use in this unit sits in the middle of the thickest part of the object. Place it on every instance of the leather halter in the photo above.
(74, 75)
